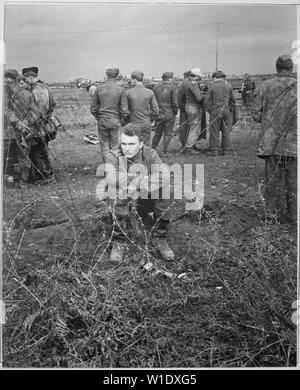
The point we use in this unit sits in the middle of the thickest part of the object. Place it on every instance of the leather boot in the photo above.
(163, 248)
(117, 253)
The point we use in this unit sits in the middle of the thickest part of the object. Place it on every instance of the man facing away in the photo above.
(129, 169)
(220, 102)
(43, 98)
(105, 106)
(275, 107)
(166, 97)
(193, 108)
(139, 103)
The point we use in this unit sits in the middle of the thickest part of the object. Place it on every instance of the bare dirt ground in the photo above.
(226, 301)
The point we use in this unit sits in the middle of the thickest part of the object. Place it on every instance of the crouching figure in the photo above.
(135, 178)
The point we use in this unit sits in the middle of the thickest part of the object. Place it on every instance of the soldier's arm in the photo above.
(52, 102)
(33, 116)
(231, 100)
(95, 103)
(174, 101)
(9, 112)
(113, 175)
(181, 98)
(199, 96)
(257, 107)
(124, 108)
(208, 98)
(153, 104)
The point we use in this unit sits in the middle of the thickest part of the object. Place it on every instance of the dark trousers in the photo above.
(281, 185)
(248, 98)
(109, 138)
(163, 127)
(183, 127)
(125, 211)
(203, 125)
(9, 156)
(41, 168)
(220, 121)
(146, 129)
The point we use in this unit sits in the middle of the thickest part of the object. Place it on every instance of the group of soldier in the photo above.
(125, 119)
(139, 104)
(29, 125)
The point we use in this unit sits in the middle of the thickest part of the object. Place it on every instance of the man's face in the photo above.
(8, 81)
(28, 80)
(130, 145)
(23, 84)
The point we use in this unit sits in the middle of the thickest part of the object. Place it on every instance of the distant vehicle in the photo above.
(156, 79)
(83, 83)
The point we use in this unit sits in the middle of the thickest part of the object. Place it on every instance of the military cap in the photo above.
(11, 73)
(196, 72)
(187, 73)
(138, 75)
(285, 62)
(218, 74)
(32, 71)
(112, 72)
(167, 75)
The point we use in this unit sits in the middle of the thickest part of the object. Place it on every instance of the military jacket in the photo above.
(220, 96)
(166, 97)
(140, 104)
(275, 107)
(106, 103)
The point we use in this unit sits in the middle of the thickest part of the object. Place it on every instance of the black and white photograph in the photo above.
(149, 187)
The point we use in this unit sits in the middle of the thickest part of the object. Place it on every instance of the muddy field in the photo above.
(226, 301)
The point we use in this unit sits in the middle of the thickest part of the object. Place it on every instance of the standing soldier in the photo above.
(220, 102)
(43, 98)
(105, 107)
(139, 103)
(22, 117)
(275, 107)
(248, 88)
(166, 97)
(193, 108)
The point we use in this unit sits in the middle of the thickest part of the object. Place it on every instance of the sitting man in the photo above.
(129, 169)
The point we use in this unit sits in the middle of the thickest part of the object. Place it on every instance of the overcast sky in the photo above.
(67, 41)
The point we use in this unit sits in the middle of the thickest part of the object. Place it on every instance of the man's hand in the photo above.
(22, 127)
(133, 192)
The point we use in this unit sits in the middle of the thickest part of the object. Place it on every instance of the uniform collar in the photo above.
(285, 74)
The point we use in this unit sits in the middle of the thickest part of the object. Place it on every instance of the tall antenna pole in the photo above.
(217, 46)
